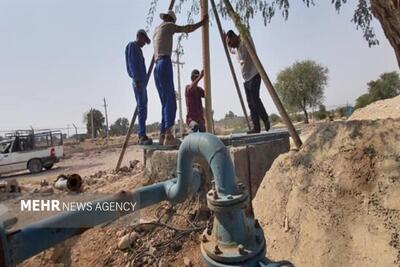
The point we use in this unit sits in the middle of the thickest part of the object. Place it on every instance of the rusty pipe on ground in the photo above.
(71, 182)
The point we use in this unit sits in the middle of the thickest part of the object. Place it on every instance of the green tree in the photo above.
(119, 127)
(302, 85)
(230, 114)
(386, 86)
(342, 111)
(321, 113)
(362, 101)
(274, 118)
(387, 12)
(98, 122)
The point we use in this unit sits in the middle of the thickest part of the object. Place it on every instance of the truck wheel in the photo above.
(35, 165)
(49, 166)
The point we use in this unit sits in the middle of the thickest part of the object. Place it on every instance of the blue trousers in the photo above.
(141, 105)
(164, 79)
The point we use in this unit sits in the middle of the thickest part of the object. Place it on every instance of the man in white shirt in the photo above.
(252, 82)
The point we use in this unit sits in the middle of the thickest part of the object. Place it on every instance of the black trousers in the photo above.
(257, 109)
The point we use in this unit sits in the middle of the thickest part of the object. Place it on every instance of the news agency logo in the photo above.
(54, 205)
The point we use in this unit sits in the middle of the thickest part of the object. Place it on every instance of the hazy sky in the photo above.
(59, 58)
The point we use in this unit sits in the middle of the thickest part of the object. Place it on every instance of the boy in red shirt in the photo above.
(193, 94)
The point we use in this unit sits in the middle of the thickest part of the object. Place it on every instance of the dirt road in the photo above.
(83, 163)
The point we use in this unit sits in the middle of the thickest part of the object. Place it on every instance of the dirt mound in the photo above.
(166, 234)
(336, 201)
(383, 109)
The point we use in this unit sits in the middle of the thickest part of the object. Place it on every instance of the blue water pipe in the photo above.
(233, 239)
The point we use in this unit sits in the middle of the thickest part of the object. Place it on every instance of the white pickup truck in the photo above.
(32, 151)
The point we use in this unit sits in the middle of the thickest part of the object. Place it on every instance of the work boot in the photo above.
(254, 131)
(267, 125)
(161, 139)
(170, 140)
(145, 141)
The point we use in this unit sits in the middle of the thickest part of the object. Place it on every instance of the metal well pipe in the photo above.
(230, 228)
(214, 151)
(23, 243)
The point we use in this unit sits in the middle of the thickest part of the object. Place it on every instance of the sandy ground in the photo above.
(155, 246)
(333, 203)
(383, 109)
(336, 201)
(83, 163)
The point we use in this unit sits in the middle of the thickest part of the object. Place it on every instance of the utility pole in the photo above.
(67, 130)
(76, 133)
(105, 110)
(92, 122)
(178, 64)
(206, 67)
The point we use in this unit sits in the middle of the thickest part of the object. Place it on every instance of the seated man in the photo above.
(193, 95)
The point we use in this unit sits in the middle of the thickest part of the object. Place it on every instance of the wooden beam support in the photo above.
(228, 57)
(206, 68)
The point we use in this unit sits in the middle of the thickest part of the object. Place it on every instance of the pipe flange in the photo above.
(221, 202)
(233, 253)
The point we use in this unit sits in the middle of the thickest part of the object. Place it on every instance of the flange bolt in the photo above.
(241, 250)
(217, 251)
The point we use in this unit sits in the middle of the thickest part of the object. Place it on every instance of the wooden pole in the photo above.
(126, 142)
(244, 35)
(130, 130)
(206, 68)
(228, 57)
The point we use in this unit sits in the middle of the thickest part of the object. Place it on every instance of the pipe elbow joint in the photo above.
(177, 194)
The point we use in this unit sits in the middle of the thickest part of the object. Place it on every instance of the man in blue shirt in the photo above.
(163, 72)
(136, 67)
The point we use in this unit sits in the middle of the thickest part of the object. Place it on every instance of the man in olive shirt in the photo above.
(163, 72)
(252, 82)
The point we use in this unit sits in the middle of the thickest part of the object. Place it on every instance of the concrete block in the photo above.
(251, 163)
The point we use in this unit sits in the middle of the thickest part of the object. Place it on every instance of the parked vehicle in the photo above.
(33, 151)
